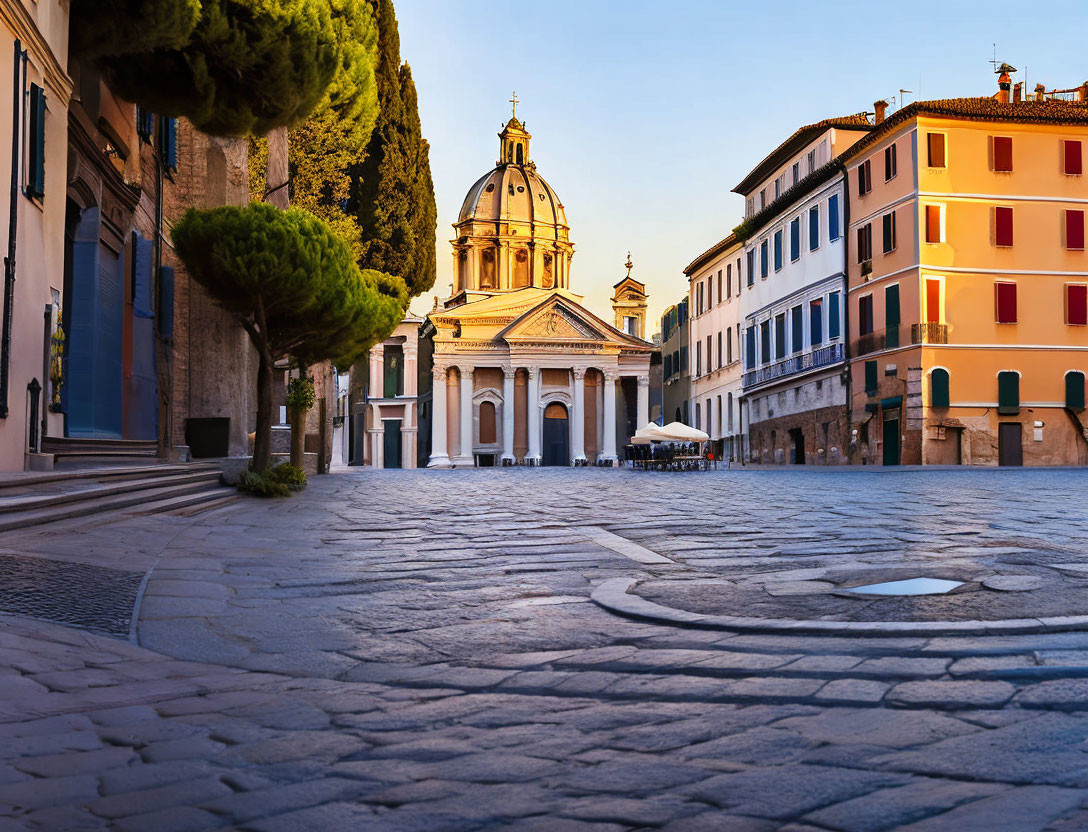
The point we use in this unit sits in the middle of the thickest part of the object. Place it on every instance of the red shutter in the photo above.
(1006, 303)
(1076, 304)
(1073, 163)
(933, 301)
(933, 223)
(1003, 225)
(1074, 229)
(1002, 153)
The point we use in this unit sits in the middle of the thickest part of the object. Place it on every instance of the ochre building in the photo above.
(513, 369)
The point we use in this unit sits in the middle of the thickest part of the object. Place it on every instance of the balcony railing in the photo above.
(898, 336)
(823, 357)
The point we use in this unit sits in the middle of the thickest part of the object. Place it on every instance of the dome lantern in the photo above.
(514, 139)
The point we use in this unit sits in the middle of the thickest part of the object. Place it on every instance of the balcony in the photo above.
(899, 336)
(823, 357)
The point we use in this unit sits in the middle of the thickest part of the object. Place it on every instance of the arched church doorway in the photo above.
(556, 435)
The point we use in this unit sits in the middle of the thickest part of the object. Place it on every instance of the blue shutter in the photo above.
(833, 217)
(833, 329)
(778, 250)
(795, 239)
(763, 259)
(814, 228)
(798, 329)
(172, 145)
(36, 185)
(750, 348)
(751, 266)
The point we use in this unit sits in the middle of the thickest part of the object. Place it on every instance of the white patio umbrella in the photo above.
(679, 432)
(651, 432)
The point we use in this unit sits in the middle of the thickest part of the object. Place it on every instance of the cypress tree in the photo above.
(392, 195)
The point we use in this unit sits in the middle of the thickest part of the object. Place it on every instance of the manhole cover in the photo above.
(911, 586)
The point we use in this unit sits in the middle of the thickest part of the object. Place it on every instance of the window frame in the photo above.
(930, 135)
(940, 208)
(890, 156)
(885, 227)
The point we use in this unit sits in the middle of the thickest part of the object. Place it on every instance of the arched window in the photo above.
(1074, 390)
(487, 270)
(938, 388)
(555, 410)
(1008, 393)
(487, 423)
(521, 268)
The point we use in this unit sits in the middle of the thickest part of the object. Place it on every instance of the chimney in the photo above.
(1082, 93)
(1018, 92)
(879, 109)
(1004, 83)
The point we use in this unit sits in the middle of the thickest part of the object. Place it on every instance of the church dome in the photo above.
(513, 193)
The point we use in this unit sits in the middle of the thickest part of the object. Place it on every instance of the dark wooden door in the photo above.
(391, 448)
(891, 438)
(1010, 451)
(556, 436)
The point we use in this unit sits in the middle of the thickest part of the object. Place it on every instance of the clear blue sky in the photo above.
(645, 114)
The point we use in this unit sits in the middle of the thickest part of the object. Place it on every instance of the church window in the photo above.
(487, 424)
(521, 269)
(521, 159)
(487, 271)
(490, 187)
(521, 189)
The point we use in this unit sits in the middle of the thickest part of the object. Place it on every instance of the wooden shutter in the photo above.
(1076, 304)
(1074, 164)
(1074, 230)
(1003, 225)
(938, 388)
(933, 301)
(933, 223)
(936, 149)
(1002, 154)
(889, 232)
(36, 185)
(1008, 393)
(1006, 302)
(870, 377)
(891, 316)
(865, 314)
(1074, 391)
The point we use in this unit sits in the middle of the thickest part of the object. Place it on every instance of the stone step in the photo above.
(29, 482)
(188, 505)
(32, 501)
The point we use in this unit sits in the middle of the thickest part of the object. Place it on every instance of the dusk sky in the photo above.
(645, 115)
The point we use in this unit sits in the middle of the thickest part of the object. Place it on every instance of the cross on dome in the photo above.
(514, 102)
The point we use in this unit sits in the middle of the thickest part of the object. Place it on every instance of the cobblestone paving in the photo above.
(417, 651)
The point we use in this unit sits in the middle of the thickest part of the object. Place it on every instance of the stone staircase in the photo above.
(36, 499)
(73, 450)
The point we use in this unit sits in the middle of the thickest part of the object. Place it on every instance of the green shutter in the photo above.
(891, 316)
(870, 377)
(938, 388)
(1008, 393)
(1074, 391)
(36, 185)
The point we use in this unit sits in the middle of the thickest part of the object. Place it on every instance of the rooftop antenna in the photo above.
(902, 100)
(994, 60)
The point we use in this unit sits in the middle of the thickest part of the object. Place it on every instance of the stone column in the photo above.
(377, 371)
(643, 402)
(411, 375)
(608, 454)
(377, 438)
(466, 458)
(532, 412)
(578, 418)
(439, 457)
(408, 437)
(508, 374)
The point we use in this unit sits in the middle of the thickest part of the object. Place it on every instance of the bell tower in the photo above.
(629, 304)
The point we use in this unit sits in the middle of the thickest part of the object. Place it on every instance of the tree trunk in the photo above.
(298, 436)
(278, 174)
(262, 441)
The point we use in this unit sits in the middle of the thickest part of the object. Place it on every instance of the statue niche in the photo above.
(521, 269)
(548, 279)
(487, 269)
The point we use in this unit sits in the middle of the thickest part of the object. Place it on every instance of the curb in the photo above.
(614, 595)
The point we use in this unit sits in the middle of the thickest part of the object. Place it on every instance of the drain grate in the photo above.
(911, 586)
(91, 597)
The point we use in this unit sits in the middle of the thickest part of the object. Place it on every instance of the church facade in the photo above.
(513, 369)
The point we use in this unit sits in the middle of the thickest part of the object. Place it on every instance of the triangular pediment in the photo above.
(553, 321)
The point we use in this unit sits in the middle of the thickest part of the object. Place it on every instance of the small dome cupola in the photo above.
(514, 139)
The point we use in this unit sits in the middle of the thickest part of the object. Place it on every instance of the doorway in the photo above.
(391, 449)
(891, 437)
(556, 435)
(1010, 450)
(797, 446)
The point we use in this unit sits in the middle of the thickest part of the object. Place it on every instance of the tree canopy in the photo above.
(99, 28)
(392, 195)
(292, 283)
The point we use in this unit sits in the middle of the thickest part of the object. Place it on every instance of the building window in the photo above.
(816, 321)
(890, 166)
(683, 359)
(698, 416)
(1008, 393)
(778, 187)
(728, 280)
(796, 172)
(729, 345)
(721, 297)
(934, 223)
(666, 365)
(834, 319)
(778, 250)
(698, 358)
(814, 228)
(1003, 225)
(738, 273)
(938, 388)
(35, 186)
(935, 147)
(709, 357)
(765, 342)
(797, 324)
(719, 350)
(168, 143)
(871, 379)
(1074, 230)
(1005, 301)
(763, 265)
(762, 199)
(750, 348)
(1074, 390)
(833, 217)
(889, 232)
(865, 314)
(1076, 304)
(1074, 163)
(865, 242)
(1002, 154)
(751, 266)
(891, 316)
(865, 177)
(145, 124)
(795, 240)
(933, 300)
(780, 336)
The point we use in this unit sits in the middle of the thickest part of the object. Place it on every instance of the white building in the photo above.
(715, 281)
(794, 387)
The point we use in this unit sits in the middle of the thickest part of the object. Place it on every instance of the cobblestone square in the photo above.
(561, 649)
